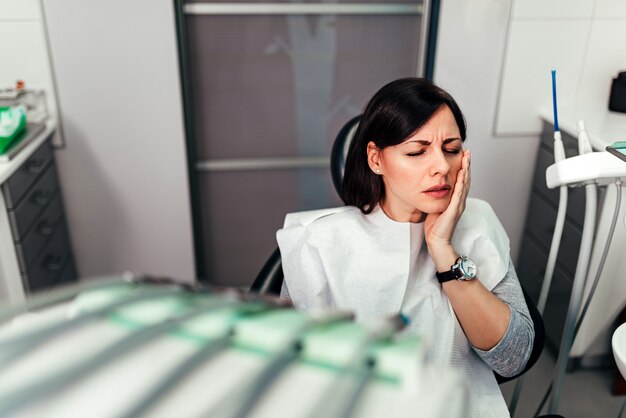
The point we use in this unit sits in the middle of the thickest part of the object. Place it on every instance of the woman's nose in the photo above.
(439, 164)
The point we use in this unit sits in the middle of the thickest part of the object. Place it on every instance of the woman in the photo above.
(411, 241)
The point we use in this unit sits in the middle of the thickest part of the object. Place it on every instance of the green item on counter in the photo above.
(12, 124)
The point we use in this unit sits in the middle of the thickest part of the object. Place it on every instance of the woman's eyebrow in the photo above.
(423, 142)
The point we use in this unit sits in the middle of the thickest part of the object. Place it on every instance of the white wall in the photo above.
(124, 171)
(469, 57)
(24, 51)
(582, 39)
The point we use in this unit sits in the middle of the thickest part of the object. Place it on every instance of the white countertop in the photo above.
(8, 168)
(603, 126)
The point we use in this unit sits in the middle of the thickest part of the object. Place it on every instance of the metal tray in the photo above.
(31, 131)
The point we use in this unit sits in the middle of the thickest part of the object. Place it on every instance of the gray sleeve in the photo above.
(510, 355)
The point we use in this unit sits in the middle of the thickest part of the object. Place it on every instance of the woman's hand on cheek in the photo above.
(439, 227)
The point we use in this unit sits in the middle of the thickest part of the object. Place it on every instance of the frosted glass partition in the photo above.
(242, 212)
(269, 90)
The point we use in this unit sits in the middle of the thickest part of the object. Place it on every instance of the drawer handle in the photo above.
(45, 227)
(41, 198)
(53, 262)
(35, 165)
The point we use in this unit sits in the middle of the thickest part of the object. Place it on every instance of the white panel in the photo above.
(535, 47)
(552, 9)
(606, 56)
(124, 171)
(23, 54)
(19, 10)
(470, 70)
(610, 9)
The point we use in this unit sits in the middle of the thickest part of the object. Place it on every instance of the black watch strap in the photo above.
(451, 274)
(446, 276)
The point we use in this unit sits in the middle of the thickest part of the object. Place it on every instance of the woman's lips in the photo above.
(438, 191)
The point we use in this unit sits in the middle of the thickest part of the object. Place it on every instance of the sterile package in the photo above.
(12, 123)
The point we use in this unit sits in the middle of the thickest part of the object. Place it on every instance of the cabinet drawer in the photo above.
(18, 184)
(531, 267)
(43, 273)
(556, 308)
(43, 228)
(68, 275)
(33, 203)
(575, 195)
(540, 224)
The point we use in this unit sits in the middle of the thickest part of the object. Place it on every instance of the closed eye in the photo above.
(415, 154)
(453, 151)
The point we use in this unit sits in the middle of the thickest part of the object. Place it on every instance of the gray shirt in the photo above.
(510, 355)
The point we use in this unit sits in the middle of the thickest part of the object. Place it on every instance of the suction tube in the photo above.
(577, 293)
(559, 154)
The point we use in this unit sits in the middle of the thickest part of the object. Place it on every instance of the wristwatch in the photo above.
(462, 269)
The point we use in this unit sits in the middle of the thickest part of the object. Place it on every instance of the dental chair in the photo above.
(270, 278)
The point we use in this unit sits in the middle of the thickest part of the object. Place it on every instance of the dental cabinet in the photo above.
(592, 345)
(35, 250)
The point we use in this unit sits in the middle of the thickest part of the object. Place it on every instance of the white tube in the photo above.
(584, 145)
(554, 250)
(559, 152)
(559, 155)
(577, 293)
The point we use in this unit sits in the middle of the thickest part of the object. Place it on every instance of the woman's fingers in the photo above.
(441, 226)
(459, 195)
(467, 177)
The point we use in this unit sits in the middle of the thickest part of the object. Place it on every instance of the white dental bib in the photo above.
(377, 267)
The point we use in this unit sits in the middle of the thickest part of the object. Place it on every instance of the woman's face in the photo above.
(419, 174)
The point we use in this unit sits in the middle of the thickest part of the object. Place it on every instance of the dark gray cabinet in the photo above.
(35, 209)
(537, 238)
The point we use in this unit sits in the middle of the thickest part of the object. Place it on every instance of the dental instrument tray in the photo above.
(160, 348)
(618, 149)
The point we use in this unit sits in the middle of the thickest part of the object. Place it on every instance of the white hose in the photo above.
(554, 250)
(591, 193)
(559, 154)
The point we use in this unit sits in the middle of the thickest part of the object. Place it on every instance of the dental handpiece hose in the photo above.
(577, 294)
(584, 147)
(596, 280)
(559, 155)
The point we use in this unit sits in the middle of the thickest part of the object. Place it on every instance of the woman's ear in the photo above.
(373, 157)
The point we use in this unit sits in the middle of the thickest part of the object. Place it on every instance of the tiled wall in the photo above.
(23, 49)
(585, 40)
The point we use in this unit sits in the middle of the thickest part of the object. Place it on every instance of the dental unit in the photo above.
(589, 169)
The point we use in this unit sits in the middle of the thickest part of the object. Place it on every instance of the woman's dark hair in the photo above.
(396, 112)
